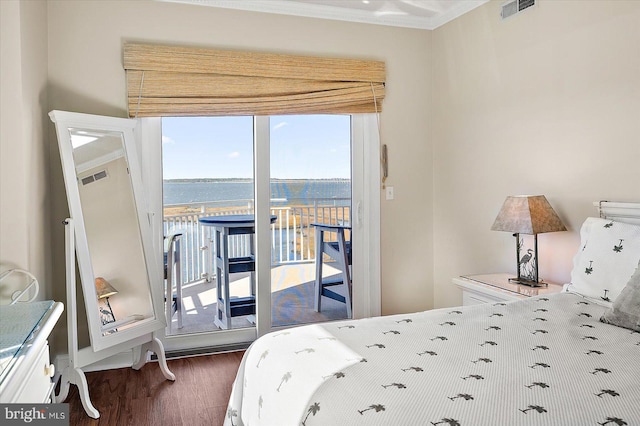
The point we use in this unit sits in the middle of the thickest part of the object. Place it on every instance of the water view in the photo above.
(237, 192)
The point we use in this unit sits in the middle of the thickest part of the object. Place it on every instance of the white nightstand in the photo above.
(490, 288)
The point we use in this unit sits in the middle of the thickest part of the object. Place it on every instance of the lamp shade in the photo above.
(526, 214)
(104, 289)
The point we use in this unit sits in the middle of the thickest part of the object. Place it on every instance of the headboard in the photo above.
(622, 212)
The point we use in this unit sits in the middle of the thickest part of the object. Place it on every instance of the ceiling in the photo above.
(423, 14)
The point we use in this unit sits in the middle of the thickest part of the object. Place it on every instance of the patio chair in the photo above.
(173, 278)
(339, 250)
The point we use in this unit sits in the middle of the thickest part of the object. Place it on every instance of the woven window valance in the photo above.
(182, 81)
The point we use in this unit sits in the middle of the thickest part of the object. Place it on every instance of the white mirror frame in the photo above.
(64, 121)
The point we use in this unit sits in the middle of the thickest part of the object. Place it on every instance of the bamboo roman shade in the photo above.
(184, 81)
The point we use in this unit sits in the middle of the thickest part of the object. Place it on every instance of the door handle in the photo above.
(358, 216)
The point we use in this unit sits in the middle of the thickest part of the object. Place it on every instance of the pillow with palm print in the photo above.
(626, 309)
(607, 258)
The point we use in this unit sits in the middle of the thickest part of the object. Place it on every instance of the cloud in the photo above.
(280, 125)
(168, 140)
(234, 154)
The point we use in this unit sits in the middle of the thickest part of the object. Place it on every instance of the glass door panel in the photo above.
(310, 178)
(208, 203)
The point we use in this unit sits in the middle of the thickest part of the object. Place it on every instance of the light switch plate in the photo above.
(389, 192)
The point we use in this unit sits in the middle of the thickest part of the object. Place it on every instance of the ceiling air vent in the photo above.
(513, 7)
(94, 177)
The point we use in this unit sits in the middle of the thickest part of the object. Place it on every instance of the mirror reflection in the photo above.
(111, 226)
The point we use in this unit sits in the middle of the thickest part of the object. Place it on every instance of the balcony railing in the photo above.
(292, 236)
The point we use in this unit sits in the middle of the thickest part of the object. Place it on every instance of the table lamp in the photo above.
(526, 214)
(104, 291)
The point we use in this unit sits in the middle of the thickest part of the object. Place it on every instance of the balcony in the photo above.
(292, 260)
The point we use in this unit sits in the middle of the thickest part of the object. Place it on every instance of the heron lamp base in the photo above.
(530, 283)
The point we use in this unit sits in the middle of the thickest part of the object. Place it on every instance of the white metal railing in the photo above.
(292, 236)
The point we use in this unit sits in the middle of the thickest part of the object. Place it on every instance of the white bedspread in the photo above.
(541, 361)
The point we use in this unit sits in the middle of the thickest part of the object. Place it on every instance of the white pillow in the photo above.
(607, 258)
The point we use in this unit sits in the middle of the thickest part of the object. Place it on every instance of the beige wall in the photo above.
(24, 158)
(86, 75)
(546, 102)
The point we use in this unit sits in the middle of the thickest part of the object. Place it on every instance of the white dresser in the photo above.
(25, 367)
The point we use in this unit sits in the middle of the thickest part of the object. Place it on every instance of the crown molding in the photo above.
(460, 9)
(340, 13)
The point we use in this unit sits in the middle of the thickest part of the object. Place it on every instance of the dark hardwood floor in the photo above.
(199, 396)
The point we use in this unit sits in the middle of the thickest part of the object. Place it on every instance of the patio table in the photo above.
(224, 227)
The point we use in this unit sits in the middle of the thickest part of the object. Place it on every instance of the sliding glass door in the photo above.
(310, 180)
(207, 181)
(275, 179)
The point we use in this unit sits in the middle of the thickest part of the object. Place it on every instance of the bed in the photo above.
(564, 359)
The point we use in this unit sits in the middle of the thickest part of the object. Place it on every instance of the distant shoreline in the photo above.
(248, 180)
(232, 191)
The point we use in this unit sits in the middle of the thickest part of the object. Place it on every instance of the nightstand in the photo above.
(490, 288)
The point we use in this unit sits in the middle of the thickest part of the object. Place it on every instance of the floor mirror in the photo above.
(108, 233)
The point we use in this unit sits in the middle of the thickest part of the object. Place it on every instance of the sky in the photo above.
(302, 147)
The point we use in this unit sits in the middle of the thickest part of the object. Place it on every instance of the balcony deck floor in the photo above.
(292, 299)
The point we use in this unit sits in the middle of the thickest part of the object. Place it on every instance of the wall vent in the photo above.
(94, 177)
(513, 7)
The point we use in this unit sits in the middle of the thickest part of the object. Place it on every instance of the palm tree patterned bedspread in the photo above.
(540, 361)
